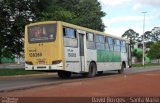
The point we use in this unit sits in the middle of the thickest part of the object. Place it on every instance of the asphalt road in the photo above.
(11, 84)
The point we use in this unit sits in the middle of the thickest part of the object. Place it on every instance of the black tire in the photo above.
(64, 74)
(92, 70)
(121, 71)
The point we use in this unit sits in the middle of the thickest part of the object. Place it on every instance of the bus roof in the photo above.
(79, 27)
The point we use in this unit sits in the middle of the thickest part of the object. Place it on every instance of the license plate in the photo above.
(41, 62)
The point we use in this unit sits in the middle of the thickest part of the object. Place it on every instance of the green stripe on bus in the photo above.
(108, 56)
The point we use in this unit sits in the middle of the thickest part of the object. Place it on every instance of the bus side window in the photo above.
(90, 37)
(69, 32)
(100, 40)
(123, 47)
(90, 41)
(117, 45)
(110, 42)
(70, 38)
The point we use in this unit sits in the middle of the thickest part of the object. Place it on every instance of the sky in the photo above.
(122, 15)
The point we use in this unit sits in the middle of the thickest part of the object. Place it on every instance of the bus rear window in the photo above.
(42, 33)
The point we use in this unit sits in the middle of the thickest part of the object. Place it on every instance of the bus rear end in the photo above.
(43, 47)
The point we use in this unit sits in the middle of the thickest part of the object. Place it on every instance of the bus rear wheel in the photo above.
(92, 70)
(64, 74)
(121, 71)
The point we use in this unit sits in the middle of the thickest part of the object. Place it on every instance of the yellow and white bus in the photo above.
(66, 48)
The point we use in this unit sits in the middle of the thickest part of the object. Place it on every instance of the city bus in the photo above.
(66, 49)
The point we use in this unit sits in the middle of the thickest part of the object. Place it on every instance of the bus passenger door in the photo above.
(81, 50)
(129, 55)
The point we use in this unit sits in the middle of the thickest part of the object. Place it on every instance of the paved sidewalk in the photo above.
(12, 65)
(141, 69)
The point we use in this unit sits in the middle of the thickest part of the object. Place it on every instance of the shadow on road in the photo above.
(80, 76)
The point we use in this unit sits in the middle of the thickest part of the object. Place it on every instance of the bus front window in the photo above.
(42, 33)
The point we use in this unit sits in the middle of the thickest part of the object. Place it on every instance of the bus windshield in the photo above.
(42, 33)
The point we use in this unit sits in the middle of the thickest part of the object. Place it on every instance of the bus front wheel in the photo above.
(64, 74)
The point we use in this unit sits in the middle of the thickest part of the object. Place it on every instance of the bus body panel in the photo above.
(91, 57)
(102, 66)
(72, 59)
(108, 60)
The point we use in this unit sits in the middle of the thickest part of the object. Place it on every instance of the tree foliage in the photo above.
(149, 37)
(137, 53)
(132, 36)
(155, 34)
(3, 28)
(154, 52)
(90, 14)
(85, 13)
(15, 15)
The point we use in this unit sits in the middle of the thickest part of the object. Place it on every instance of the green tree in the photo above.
(89, 14)
(132, 36)
(154, 52)
(85, 13)
(137, 53)
(147, 40)
(150, 37)
(147, 36)
(15, 15)
(155, 34)
(3, 29)
(149, 44)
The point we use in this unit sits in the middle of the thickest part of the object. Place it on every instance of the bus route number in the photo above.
(35, 54)
(71, 54)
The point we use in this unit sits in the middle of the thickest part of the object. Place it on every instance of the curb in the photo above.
(27, 75)
(146, 67)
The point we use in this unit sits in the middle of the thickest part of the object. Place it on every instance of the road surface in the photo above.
(144, 84)
(10, 84)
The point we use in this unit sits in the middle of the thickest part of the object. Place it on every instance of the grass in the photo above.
(12, 72)
(146, 65)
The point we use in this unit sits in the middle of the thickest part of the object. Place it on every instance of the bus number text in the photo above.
(35, 54)
(71, 54)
